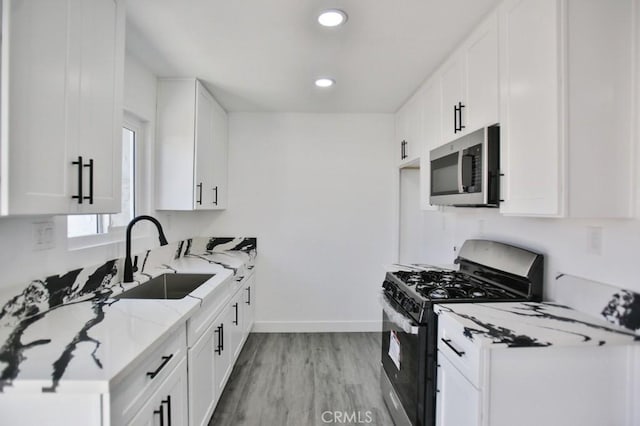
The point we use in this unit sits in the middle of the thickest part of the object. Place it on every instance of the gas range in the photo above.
(489, 271)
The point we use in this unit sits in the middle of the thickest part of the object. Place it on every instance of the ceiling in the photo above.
(263, 55)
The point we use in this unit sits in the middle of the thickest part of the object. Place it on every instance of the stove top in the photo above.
(436, 284)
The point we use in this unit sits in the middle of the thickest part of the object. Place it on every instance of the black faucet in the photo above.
(128, 268)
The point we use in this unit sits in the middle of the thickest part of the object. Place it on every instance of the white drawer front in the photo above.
(129, 395)
(458, 349)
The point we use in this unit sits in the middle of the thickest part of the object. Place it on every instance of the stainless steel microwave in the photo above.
(465, 172)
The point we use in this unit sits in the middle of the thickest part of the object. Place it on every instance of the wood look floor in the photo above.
(291, 379)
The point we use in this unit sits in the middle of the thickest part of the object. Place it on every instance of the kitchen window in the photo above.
(96, 229)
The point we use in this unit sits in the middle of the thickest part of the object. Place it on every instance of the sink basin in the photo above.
(166, 286)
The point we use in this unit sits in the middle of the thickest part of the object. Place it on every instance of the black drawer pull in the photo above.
(160, 412)
(218, 348)
(90, 166)
(165, 360)
(460, 125)
(448, 343)
(248, 302)
(80, 165)
(199, 186)
(215, 192)
(168, 402)
(235, 305)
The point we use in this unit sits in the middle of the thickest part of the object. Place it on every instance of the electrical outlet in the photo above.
(43, 235)
(594, 240)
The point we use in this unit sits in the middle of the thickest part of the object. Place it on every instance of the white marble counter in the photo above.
(89, 343)
(531, 324)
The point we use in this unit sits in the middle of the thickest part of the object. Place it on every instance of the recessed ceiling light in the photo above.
(324, 82)
(332, 17)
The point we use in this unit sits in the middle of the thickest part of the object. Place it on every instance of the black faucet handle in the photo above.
(135, 264)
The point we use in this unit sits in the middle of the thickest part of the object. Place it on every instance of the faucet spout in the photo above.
(128, 267)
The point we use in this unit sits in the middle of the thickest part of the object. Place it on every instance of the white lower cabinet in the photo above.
(497, 385)
(168, 405)
(212, 357)
(236, 327)
(202, 390)
(454, 388)
(249, 310)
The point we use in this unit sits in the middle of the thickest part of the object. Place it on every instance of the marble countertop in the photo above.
(89, 343)
(532, 324)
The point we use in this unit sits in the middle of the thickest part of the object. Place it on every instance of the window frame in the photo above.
(116, 234)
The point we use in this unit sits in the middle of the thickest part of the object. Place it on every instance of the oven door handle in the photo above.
(397, 318)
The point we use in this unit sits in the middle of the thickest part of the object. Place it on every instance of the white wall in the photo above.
(315, 189)
(564, 242)
(19, 263)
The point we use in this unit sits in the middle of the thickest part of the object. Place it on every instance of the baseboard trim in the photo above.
(316, 326)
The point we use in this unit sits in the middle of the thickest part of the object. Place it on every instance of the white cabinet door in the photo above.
(457, 400)
(408, 130)
(530, 132)
(168, 405)
(191, 154)
(249, 303)
(432, 135)
(453, 102)
(61, 99)
(481, 73)
(204, 149)
(222, 360)
(100, 103)
(203, 392)
(237, 326)
(41, 140)
(219, 163)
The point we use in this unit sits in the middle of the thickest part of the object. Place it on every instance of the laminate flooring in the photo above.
(305, 379)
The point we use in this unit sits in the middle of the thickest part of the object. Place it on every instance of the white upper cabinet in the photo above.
(470, 83)
(61, 103)
(453, 102)
(567, 110)
(408, 130)
(191, 166)
(481, 61)
(430, 93)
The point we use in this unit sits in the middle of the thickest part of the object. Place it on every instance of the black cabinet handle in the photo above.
(221, 337)
(160, 412)
(460, 125)
(455, 119)
(248, 302)
(80, 196)
(168, 402)
(165, 360)
(90, 166)
(236, 308)
(215, 192)
(199, 201)
(448, 343)
(218, 349)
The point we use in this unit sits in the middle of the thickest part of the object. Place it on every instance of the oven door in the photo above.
(403, 363)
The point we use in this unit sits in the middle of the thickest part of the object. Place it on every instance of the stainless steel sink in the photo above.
(166, 286)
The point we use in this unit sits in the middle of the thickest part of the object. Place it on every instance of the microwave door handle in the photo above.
(460, 187)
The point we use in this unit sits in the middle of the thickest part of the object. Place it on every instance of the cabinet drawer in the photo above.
(128, 396)
(458, 349)
(211, 308)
